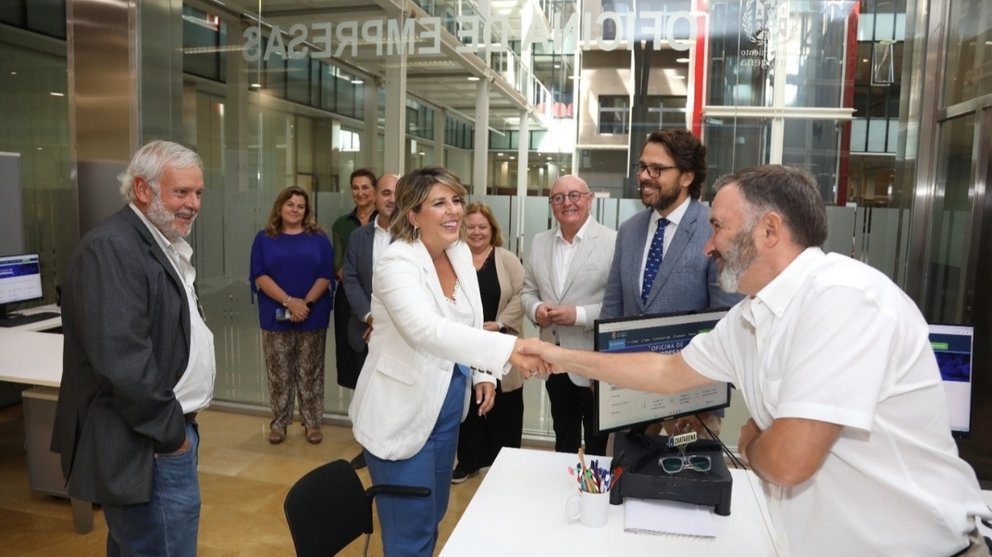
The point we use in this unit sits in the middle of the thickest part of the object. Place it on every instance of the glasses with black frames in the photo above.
(654, 170)
(573, 196)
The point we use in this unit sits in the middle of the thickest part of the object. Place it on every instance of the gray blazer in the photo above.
(357, 282)
(686, 280)
(126, 341)
(584, 285)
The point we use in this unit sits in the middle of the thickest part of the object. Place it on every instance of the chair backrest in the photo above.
(327, 509)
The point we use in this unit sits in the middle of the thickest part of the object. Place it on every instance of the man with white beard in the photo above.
(850, 432)
(138, 360)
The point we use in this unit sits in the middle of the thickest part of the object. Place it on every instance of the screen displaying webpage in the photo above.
(619, 408)
(20, 278)
(952, 344)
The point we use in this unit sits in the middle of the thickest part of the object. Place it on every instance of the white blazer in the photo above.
(414, 347)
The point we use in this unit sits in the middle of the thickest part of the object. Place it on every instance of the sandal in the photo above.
(314, 436)
(277, 435)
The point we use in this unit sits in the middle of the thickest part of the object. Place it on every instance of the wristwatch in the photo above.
(309, 305)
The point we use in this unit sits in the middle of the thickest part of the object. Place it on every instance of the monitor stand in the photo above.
(643, 477)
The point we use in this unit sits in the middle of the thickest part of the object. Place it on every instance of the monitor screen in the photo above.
(20, 278)
(618, 408)
(952, 344)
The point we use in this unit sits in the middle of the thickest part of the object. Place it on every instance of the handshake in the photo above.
(536, 358)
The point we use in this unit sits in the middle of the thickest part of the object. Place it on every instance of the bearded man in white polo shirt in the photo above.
(835, 365)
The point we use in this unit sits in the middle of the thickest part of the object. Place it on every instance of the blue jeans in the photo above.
(167, 524)
(409, 524)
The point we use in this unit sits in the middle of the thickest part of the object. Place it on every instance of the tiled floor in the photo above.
(243, 480)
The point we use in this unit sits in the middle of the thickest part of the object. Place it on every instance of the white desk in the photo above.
(35, 358)
(30, 358)
(519, 510)
(43, 325)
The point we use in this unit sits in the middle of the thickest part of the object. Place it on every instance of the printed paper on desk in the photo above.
(656, 516)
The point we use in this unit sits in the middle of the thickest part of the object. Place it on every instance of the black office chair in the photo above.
(328, 508)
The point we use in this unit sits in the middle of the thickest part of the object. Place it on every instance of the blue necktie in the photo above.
(655, 253)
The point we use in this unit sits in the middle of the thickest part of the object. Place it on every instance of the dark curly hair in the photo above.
(689, 154)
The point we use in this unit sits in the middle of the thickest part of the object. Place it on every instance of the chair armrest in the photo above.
(398, 490)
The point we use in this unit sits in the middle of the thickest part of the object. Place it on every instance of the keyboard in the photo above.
(20, 319)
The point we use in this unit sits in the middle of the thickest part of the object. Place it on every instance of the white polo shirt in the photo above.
(834, 340)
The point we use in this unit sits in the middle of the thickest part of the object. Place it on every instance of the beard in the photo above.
(664, 199)
(166, 221)
(736, 260)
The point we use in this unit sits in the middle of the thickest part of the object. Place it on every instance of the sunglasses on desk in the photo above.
(676, 464)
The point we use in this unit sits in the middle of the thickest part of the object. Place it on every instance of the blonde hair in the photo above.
(478, 207)
(411, 192)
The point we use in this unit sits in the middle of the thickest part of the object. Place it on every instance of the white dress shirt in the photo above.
(195, 388)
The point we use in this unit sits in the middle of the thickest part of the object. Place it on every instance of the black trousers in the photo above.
(345, 357)
(572, 411)
(481, 437)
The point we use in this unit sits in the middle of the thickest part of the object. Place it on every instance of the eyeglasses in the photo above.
(676, 464)
(573, 196)
(654, 170)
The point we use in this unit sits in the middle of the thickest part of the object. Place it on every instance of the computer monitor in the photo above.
(20, 280)
(618, 408)
(953, 344)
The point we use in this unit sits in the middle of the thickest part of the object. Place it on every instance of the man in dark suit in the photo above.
(138, 360)
(671, 172)
(364, 247)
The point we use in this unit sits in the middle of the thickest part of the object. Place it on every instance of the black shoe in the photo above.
(459, 475)
(359, 461)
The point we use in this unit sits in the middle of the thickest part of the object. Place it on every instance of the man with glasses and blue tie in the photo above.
(564, 280)
(659, 265)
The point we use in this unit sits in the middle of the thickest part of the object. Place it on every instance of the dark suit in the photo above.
(127, 341)
(686, 280)
(357, 283)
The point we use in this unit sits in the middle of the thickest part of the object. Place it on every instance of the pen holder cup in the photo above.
(589, 509)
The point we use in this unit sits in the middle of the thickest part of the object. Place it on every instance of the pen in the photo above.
(617, 472)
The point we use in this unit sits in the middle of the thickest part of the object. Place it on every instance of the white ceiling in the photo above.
(441, 80)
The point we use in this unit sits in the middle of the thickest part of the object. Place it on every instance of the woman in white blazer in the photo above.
(426, 350)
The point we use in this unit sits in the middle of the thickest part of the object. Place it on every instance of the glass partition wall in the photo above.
(512, 95)
(287, 94)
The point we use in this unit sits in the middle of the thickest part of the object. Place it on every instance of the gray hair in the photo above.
(150, 162)
(790, 192)
(411, 192)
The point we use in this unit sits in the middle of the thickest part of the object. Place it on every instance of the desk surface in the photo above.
(30, 357)
(520, 510)
(44, 325)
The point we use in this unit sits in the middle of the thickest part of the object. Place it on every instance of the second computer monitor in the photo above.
(20, 279)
